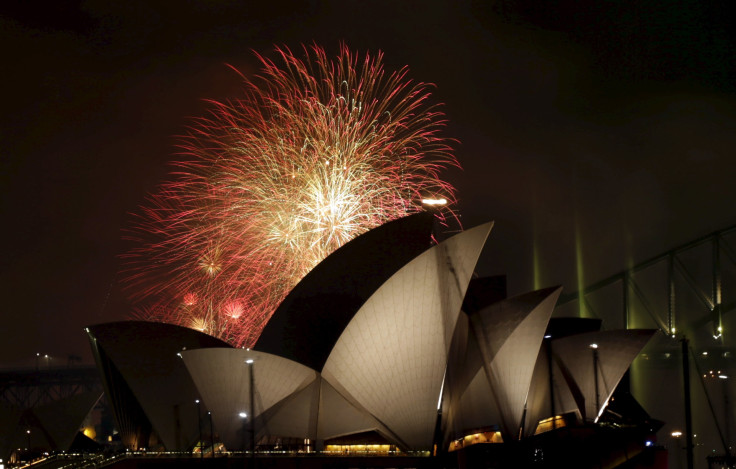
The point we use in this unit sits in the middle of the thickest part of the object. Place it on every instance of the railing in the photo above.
(687, 290)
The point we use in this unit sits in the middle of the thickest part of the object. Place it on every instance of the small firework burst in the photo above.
(315, 152)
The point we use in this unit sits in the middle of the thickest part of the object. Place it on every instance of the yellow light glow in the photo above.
(369, 448)
(475, 438)
(550, 424)
(434, 201)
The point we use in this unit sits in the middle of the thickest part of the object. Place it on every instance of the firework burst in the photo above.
(316, 152)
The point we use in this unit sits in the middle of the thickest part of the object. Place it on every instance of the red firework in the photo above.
(315, 152)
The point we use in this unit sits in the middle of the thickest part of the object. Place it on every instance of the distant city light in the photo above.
(676, 434)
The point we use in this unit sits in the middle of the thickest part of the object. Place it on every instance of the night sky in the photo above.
(604, 129)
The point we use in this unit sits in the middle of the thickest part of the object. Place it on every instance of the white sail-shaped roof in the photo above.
(463, 363)
(615, 351)
(222, 377)
(391, 357)
(509, 335)
(145, 356)
(476, 408)
(538, 401)
(338, 417)
(295, 417)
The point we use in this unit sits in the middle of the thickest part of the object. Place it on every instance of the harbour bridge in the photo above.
(689, 295)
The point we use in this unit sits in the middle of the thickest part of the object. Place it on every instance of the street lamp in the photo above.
(212, 434)
(28, 434)
(727, 421)
(548, 346)
(243, 416)
(594, 347)
(199, 425)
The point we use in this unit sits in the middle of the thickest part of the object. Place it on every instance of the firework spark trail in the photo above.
(317, 152)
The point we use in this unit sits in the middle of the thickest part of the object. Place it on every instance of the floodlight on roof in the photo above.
(428, 201)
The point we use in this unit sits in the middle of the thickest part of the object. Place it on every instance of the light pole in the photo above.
(727, 421)
(548, 344)
(243, 416)
(212, 434)
(199, 425)
(595, 377)
(252, 413)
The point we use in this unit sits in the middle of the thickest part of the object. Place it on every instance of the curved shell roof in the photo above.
(144, 354)
(391, 358)
(309, 321)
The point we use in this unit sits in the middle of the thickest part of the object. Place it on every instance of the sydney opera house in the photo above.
(390, 345)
